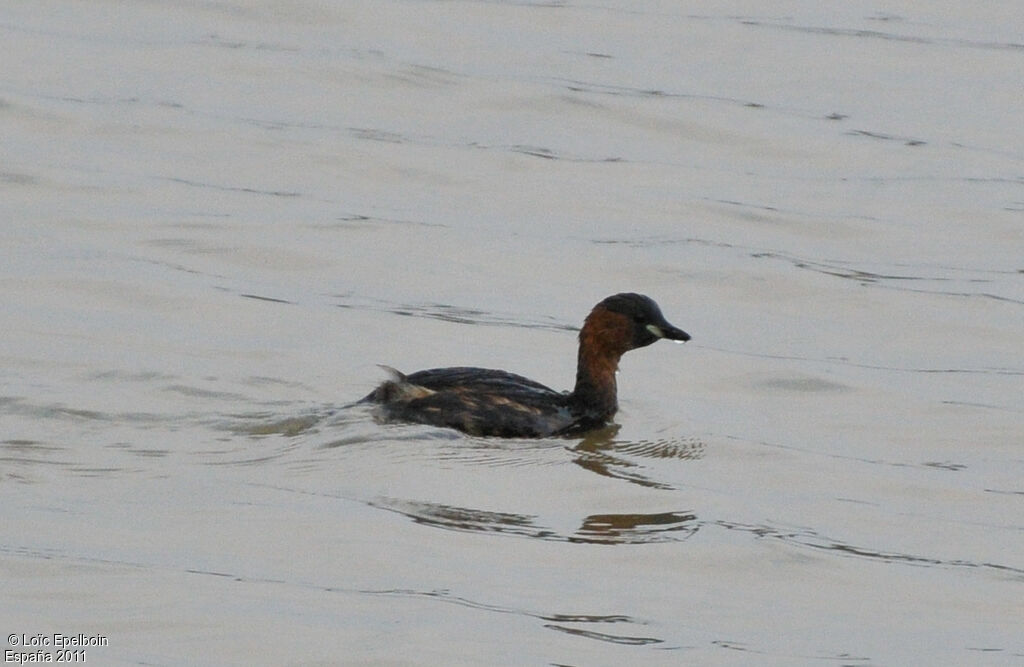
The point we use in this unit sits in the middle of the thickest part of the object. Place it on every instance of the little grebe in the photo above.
(480, 401)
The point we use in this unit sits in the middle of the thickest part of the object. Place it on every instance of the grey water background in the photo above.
(217, 217)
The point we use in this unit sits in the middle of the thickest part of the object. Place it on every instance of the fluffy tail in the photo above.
(396, 388)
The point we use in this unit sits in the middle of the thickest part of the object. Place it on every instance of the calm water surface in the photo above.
(218, 217)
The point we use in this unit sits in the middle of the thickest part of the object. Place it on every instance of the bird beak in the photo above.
(669, 332)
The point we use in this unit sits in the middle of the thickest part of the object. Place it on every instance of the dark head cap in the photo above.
(649, 325)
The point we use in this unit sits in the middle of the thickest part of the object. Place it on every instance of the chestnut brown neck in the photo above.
(604, 338)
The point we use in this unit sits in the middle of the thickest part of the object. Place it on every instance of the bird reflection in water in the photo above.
(601, 453)
(594, 529)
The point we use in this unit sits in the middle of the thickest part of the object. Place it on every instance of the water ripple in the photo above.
(810, 538)
(451, 313)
